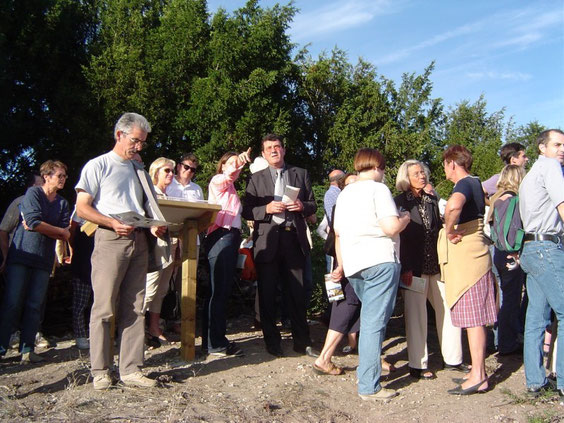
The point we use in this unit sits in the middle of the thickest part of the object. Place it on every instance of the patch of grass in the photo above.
(545, 417)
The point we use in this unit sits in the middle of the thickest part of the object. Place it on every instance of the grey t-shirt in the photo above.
(540, 193)
(11, 218)
(113, 183)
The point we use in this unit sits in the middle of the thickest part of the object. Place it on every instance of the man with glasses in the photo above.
(111, 184)
(182, 185)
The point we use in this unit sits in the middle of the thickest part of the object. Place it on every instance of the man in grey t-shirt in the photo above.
(109, 184)
(541, 204)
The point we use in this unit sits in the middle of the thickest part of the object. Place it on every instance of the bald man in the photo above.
(333, 192)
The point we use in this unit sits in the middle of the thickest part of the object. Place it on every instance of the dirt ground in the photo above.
(261, 388)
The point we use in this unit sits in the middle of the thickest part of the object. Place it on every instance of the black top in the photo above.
(418, 241)
(475, 205)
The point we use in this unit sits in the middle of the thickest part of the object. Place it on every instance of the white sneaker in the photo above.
(383, 394)
(103, 381)
(31, 357)
(137, 379)
(82, 343)
(15, 340)
(41, 341)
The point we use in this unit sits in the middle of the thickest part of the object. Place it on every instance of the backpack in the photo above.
(506, 229)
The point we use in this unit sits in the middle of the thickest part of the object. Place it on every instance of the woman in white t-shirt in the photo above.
(367, 226)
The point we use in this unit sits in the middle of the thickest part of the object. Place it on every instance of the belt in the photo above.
(287, 228)
(543, 237)
(110, 229)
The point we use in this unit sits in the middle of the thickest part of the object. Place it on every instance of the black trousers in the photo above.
(286, 269)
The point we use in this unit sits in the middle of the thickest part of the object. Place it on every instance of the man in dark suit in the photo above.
(280, 242)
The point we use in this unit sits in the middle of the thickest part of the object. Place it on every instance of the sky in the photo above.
(511, 51)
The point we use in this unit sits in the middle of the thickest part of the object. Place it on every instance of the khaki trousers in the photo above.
(119, 272)
(156, 288)
(415, 312)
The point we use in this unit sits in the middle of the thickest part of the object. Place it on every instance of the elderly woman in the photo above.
(162, 173)
(367, 226)
(512, 279)
(418, 256)
(31, 257)
(466, 264)
(222, 245)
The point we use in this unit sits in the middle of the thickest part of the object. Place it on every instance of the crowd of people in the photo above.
(377, 245)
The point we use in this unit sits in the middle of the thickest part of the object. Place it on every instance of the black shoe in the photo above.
(275, 351)
(232, 350)
(517, 351)
(459, 380)
(257, 325)
(309, 351)
(153, 341)
(423, 374)
(549, 386)
(462, 367)
(468, 391)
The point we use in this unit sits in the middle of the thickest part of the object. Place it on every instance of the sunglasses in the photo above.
(186, 167)
(166, 169)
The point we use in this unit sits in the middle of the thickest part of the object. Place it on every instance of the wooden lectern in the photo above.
(190, 218)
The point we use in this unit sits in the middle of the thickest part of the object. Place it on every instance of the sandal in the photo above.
(423, 374)
(333, 370)
(388, 367)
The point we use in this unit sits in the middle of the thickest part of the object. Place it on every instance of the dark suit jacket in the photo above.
(260, 192)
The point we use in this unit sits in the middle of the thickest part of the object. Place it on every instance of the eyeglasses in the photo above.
(186, 167)
(142, 144)
(61, 176)
(166, 170)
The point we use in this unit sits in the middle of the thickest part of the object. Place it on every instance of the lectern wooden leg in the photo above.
(188, 302)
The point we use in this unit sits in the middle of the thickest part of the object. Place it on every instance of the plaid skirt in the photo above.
(477, 306)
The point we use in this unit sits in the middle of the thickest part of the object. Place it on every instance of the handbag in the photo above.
(170, 309)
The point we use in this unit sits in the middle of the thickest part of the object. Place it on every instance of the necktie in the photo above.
(278, 193)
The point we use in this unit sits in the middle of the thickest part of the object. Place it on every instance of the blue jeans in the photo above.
(24, 293)
(543, 261)
(222, 246)
(509, 316)
(376, 288)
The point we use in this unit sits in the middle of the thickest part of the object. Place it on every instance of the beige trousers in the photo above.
(156, 288)
(415, 312)
(119, 272)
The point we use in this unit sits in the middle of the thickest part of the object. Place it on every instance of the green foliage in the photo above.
(210, 84)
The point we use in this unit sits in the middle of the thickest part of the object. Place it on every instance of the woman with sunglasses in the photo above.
(222, 246)
(162, 174)
(30, 258)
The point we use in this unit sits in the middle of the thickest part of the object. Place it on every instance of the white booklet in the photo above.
(417, 284)
(135, 219)
(290, 194)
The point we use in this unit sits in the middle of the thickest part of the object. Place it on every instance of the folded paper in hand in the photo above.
(135, 219)
(290, 194)
(417, 284)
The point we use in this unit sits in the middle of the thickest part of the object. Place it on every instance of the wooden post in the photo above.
(189, 282)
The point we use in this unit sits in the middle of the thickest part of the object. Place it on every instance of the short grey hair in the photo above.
(130, 120)
(402, 180)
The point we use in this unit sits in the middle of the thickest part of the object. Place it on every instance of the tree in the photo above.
(45, 104)
(244, 92)
(481, 132)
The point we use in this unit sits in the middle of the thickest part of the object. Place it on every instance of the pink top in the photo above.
(222, 191)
